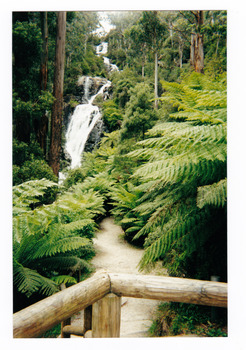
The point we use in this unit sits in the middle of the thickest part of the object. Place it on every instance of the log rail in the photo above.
(99, 290)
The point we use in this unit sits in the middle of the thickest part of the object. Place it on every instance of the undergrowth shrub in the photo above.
(178, 319)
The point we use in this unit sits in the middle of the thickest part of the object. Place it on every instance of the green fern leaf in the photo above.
(60, 245)
(214, 194)
(63, 279)
(28, 281)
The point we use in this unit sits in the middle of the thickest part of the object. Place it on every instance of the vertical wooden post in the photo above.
(106, 317)
(63, 324)
(66, 322)
(88, 318)
(214, 311)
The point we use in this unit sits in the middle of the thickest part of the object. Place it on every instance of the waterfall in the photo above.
(87, 85)
(82, 122)
(85, 115)
(102, 49)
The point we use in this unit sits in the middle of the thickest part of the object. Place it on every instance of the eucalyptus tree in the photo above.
(118, 38)
(57, 109)
(138, 44)
(215, 41)
(153, 33)
(208, 37)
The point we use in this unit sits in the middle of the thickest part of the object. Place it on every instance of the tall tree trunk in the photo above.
(196, 49)
(57, 108)
(43, 125)
(143, 66)
(156, 80)
(196, 53)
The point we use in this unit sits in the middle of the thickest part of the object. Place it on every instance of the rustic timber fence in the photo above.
(100, 297)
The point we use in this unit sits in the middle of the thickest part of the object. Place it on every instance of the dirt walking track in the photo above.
(116, 255)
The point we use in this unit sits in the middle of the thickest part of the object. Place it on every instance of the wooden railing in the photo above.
(103, 291)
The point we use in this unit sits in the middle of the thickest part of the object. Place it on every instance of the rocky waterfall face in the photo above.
(85, 117)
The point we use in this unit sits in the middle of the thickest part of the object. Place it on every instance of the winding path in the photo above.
(116, 255)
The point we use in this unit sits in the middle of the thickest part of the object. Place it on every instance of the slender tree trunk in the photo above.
(43, 125)
(217, 46)
(143, 66)
(196, 49)
(181, 48)
(56, 117)
(156, 80)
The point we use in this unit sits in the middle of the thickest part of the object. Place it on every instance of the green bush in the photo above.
(23, 151)
(111, 115)
(139, 113)
(35, 169)
(178, 318)
(73, 177)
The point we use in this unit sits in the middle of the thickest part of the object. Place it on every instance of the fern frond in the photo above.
(178, 229)
(83, 228)
(29, 192)
(128, 220)
(214, 194)
(197, 104)
(77, 200)
(181, 168)
(28, 281)
(48, 287)
(63, 279)
(60, 245)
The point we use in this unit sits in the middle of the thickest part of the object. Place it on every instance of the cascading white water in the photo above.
(85, 116)
(102, 49)
(82, 122)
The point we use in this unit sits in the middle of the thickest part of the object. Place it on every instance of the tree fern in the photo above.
(181, 172)
(51, 240)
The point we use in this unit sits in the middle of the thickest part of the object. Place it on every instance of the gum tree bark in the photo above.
(57, 108)
(196, 49)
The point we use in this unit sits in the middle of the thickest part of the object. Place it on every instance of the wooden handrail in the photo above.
(40, 317)
(175, 289)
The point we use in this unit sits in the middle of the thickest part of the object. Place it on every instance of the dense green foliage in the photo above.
(178, 319)
(29, 163)
(51, 243)
(180, 183)
(139, 114)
